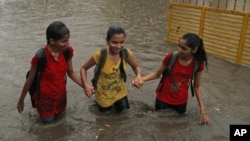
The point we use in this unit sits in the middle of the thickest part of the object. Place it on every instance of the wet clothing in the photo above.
(52, 99)
(175, 89)
(110, 85)
(119, 105)
(48, 120)
(159, 105)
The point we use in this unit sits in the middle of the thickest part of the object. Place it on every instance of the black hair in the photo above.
(194, 41)
(114, 30)
(117, 30)
(56, 31)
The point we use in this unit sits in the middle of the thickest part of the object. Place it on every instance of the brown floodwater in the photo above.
(225, 86)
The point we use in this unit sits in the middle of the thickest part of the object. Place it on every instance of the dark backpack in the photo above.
(35, 86)
(99, 66)
(169, 65)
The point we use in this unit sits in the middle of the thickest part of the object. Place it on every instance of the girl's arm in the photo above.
(132, 62)
(88, 89)
(155, 74)
(204, 118)
(72, 74)
(27, 84)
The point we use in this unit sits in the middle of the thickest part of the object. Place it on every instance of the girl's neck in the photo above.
(186, 61)
(113, 57)
(187, 58)
(53, 49)
(112, 54)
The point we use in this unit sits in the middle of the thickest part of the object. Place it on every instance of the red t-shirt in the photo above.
(175, 89)
(53, 98)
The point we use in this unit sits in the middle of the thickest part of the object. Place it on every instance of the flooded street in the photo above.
(225, 86)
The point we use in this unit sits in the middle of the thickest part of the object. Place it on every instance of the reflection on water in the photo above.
(56, 131)
(22, 32)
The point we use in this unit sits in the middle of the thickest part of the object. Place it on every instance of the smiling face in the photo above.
(116, 43)
(61, 43)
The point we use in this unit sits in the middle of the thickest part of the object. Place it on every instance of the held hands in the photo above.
(204, 119)
(89, 91)
(137, 82)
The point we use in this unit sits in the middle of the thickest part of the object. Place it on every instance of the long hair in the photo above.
(194, 41)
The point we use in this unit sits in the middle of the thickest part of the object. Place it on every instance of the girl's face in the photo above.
(61, 43)
(116, 43)
(184, 50)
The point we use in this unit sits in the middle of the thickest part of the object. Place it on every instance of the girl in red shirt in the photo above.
(52, 99)
(174, 93)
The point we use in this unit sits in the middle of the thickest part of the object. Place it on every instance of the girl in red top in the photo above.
(52, 99)
(174, 93)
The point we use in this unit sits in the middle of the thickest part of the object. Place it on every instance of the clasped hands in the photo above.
(137, 82)
(89, 91)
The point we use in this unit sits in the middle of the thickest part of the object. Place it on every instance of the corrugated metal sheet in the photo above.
(221, 33)
(226, 33)
(183, 20)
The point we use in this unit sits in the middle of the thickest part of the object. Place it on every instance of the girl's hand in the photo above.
(140, 81)
(89, 91)
(137, 83)
(20, 106)
(204, 119)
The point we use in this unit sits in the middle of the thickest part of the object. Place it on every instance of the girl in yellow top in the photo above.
(110, 89)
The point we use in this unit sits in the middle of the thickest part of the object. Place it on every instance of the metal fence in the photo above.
(226, 33)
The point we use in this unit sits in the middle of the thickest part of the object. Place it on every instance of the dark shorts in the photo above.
(159, 105)
(119, 105)
(48, 120)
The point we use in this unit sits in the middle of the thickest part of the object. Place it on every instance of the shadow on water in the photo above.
(22, 31)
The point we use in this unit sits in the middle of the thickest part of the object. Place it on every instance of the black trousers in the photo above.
(159, 105)
(119, 105)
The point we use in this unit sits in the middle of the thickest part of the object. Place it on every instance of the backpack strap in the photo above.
(66, 58)
(66, 53)
(99, 66)
(41, 60)
(124, 56)
(169, 65)
(195, 69)
(40, 66)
